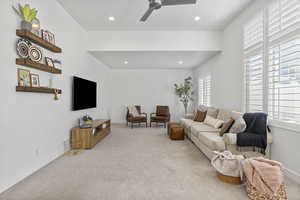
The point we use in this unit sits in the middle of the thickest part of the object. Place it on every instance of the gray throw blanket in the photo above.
(254, 138)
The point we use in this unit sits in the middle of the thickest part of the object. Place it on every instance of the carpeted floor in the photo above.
(131, 164)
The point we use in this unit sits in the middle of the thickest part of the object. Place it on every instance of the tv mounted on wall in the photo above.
(84, 94)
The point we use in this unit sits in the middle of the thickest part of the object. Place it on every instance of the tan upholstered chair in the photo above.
(162, 115)
(137, 119)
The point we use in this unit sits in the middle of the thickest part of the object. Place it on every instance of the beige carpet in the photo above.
(131, 164)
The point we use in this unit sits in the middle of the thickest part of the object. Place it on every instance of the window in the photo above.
(272, 62)
(204, 91)
(201, 92)
(284, 61)
(254, 63)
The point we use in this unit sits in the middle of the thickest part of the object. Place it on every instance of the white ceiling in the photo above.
(152, 59)
(93, 14)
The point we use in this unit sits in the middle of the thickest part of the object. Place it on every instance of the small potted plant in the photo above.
(28, 15)
(87, 119)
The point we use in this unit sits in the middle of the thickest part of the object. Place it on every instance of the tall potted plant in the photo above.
(184, 92)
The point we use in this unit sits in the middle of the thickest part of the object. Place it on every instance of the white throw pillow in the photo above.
(216, 123)
(238, 126)
(133, 111)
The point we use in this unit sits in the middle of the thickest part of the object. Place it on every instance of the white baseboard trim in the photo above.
(292, 175)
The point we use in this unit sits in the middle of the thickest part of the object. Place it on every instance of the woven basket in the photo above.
(253, 194)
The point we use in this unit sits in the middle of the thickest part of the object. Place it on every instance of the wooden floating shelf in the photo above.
(37, 89)
(29, 63)
(37, 40)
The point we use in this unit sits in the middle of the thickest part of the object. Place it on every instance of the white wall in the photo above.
(34, 126)
(147, 88)
(226, 70)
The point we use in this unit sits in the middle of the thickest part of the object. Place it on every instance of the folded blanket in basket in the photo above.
(263, 174)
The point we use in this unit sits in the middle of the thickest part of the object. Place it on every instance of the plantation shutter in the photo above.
(204, 91)
(284, 60)
(201, 92)
(254, 64)
(207, 90)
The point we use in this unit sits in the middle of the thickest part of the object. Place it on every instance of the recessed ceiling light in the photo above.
(111, 18)
(125, 62)
(180, 62)
(197, 18)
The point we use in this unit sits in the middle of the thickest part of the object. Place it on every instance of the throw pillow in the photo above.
(226, 126)
(133, 111)
(196, 115)
(216, 123)
(200, 116)
(238, 126)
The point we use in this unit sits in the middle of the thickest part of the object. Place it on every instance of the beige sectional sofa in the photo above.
(207, 138)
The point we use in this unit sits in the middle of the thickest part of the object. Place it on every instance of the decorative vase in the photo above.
(25, 25)
(35, 24)
(21, 83)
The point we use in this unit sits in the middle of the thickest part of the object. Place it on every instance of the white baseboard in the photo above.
(292, 175)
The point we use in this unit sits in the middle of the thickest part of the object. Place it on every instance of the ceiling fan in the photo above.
(153, 5)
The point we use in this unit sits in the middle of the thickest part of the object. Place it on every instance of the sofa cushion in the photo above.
(216, 123)
(212, 140)
(188, 122)
(204, 128)
(231, 138)
(201, 127)
(236, 115)
(224, 115)
(211, 111)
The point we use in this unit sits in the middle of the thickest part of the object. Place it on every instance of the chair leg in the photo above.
(150, 123)
(146, 124)
(131, 125)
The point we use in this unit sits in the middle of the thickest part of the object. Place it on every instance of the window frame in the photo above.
(205, 97)
(294, 126)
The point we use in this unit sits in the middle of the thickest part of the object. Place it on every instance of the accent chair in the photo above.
(140, 118)
(162, 115)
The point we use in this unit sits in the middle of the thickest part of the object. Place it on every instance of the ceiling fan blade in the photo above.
(147, 14)
(177, 2)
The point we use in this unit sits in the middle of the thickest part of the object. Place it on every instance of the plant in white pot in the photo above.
(28, 15)
(184, 92)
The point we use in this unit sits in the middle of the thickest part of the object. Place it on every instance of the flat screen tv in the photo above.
(84, 94)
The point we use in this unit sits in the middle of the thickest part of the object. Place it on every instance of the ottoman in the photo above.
(175, 131)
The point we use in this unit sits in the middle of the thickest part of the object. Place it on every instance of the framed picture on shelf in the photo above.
(57, 64)
(35, 80)
(49, 61)
(24, 78)
(51, 37)
(45, 35)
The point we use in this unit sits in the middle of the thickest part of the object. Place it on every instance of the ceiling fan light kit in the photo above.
(153, 5)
